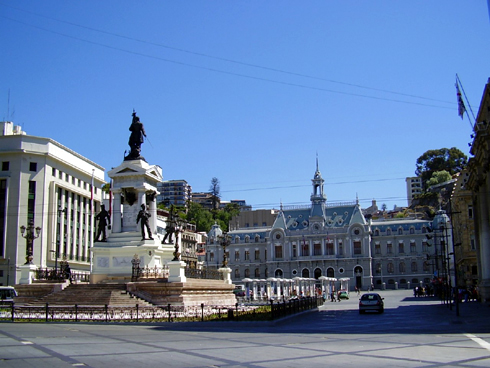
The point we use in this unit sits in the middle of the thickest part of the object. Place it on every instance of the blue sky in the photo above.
(250, 91)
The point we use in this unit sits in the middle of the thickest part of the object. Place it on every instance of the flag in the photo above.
(461, 106)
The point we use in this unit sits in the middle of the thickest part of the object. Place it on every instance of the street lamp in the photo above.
(30, 233)
(225, 240)
(179, 227)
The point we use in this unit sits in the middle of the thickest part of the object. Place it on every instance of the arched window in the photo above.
(237, 239)
(317, 273)
(388, 231)
(376, 232)
(305, 273)
(257, 273)
(247, 239)
(412, 230)
(414, 267)
(400, 231)
(401, 267)
(247, 272)
(237, 273)
(426, 266)
(390, 267)
(278, 273)
(257, 238)
(330, 272)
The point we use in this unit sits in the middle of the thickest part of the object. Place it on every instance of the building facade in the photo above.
(479, 185)
(54, 187)
(332, 240)
(414, 188)
(176, 192)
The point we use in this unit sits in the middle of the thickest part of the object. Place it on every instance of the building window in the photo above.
(389, 248)
(472, 242)
(317, 249)
(401, 267)
(470, 212)
(412, 230)
(237, 255)
(388, 231)
(376, 232)
(53, 171)
(257, 273)
(377, 248)
(414, 267)
(247, 239)
(295, 250)
(425, 247)
(257, 254)
(306, 249)
(278, 252)
(357, 248)
(400, 231)
(211, 257)
(341, 249)
(413, 247)
(390, 268)
(401, 248)
(330, 249)
(5, 166)
(247, 272)
(33, 166)
(237, 239)
(257, 238)
(425, 266)
(237, 273)
(31, 200)
(247, 255)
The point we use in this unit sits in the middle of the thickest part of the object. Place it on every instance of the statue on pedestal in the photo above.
(144, 216)
(104, 220)
(136, 138)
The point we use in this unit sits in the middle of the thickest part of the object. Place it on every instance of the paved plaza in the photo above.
(413, 332)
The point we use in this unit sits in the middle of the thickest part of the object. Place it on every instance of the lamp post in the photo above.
(225, 240)
(30, 233)
(56, 255)
(179, 227)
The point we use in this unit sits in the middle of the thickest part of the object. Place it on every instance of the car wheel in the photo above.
(381, 310)
(361, 311)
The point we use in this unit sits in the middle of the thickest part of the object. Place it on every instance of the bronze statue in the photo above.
(170, 228)
(144, 216)
(136, 138)
(104, 220)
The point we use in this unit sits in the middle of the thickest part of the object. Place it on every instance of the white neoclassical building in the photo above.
(54, 187)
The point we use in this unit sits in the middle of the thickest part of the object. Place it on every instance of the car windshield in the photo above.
(369, 297)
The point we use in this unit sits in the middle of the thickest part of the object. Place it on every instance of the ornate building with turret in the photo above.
(328, 239)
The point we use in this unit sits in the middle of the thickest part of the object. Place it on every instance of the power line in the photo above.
(226, 59)
(227, 72)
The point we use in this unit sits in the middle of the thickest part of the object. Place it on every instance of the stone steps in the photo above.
(110, 294)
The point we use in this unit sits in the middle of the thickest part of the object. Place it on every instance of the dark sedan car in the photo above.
(371, 302)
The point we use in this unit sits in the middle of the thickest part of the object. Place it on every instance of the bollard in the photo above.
(202, 312)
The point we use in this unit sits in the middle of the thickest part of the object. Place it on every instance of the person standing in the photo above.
(144, 216)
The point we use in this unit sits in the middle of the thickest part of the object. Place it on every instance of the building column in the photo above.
(153, 212)
(116, 211)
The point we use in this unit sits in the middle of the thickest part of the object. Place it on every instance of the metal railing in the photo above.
(168, 313)
(205, 273)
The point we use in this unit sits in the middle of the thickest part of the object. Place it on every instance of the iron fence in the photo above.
(169, 313)
(205, 273)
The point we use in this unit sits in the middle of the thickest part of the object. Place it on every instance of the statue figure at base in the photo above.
(104, 220)
(144, 216)
(136, 138)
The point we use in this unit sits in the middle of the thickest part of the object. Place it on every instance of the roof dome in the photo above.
(440, 220)
(215, 232)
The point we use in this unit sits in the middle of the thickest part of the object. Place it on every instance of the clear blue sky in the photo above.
(250, 91)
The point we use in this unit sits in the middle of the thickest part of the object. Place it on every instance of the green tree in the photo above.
(451, 160)
(214, 189)
(202, 218)
(225, 215)
(438, 177)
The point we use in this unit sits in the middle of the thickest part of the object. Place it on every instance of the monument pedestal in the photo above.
(176, 271)
(27, 273)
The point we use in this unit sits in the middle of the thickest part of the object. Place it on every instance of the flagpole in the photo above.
(458, 83)
(91, 220)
